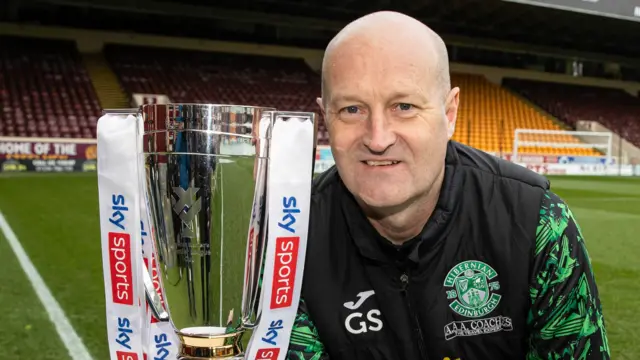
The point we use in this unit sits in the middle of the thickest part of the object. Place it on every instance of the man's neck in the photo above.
(403, 225)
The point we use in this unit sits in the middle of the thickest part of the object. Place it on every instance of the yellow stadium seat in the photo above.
(489, 115)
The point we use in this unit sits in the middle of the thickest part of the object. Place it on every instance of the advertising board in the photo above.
(583, 169)
(47, 155)
(324, 159)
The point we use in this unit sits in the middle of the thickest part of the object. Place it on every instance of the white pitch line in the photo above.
(69, 337)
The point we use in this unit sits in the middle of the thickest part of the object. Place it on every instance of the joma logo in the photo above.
(354, 322)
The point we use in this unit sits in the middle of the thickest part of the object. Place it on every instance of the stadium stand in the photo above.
(105, 82)
(284, 83)
(45, 90)
(616, 109)
(48, 92)
(223, 78)
(489, 115)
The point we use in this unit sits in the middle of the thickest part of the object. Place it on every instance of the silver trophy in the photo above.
(205, 173)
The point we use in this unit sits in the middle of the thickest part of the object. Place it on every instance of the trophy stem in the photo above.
(211, 347)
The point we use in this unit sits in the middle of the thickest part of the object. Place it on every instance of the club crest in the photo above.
(470, 287)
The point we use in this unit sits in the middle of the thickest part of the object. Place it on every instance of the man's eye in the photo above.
(405, 106)
(351, 109)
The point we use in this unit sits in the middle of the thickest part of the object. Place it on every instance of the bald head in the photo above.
(390, 113)
(387, 33)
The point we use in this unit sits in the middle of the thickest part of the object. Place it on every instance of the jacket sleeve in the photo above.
(305, 343)
(565, 320)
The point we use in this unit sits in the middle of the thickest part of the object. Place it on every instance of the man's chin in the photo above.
(382, 202)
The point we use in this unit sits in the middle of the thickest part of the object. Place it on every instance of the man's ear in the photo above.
(451, 110)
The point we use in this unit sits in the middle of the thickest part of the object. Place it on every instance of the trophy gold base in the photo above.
(210, 347)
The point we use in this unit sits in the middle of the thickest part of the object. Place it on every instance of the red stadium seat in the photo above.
(614, 108)
(43, 78)
(209, 77)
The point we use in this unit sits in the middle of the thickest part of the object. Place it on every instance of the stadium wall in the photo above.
(18, 155)
(42, 154)
(92, 41)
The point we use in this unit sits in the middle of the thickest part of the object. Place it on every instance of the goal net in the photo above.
(561, 143)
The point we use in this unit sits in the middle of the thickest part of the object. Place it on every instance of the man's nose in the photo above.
(380, 135)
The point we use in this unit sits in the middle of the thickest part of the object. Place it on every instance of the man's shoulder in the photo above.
(481, 162)
(325, 182)
(326, 194)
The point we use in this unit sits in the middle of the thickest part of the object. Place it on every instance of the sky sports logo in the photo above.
(120, 265)
(286, 257)
(162, 344)
(120, 254)
(284, 274)
(120, 268)
(284, 271)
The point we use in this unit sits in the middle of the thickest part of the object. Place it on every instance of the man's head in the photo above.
(387, 99)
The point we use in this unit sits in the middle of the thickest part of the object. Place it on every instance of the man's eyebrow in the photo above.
(403, 95)
(414, 96)
(344, 98)
(398, 95)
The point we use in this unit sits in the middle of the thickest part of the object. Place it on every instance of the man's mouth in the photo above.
(381, 162)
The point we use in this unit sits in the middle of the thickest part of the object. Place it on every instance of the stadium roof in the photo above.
(457, 20)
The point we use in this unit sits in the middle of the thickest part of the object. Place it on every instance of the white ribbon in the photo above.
(119, 202)
(127, 245)
(159, 339)
(288, 203)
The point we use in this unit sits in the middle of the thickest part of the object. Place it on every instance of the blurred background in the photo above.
(552, 85)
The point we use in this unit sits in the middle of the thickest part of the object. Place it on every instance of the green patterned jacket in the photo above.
(565, 319)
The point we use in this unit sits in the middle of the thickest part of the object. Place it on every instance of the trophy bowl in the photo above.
(205, 176)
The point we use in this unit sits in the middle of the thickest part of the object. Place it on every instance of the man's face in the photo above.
(389, 121)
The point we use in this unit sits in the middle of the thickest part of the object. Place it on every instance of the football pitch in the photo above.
(55, 218)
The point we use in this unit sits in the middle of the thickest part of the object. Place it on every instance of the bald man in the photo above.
(421, 247)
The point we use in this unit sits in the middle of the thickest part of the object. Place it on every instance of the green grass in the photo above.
(56, 219)
(25, 329)
(55, 216)
(608, 211)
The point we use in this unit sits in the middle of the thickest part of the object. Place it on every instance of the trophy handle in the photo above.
(153, 299)
(258, 229)
(256, 237)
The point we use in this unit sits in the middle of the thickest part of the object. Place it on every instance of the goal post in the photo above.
(562, 143)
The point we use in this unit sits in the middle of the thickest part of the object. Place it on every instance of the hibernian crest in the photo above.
(472, 289)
